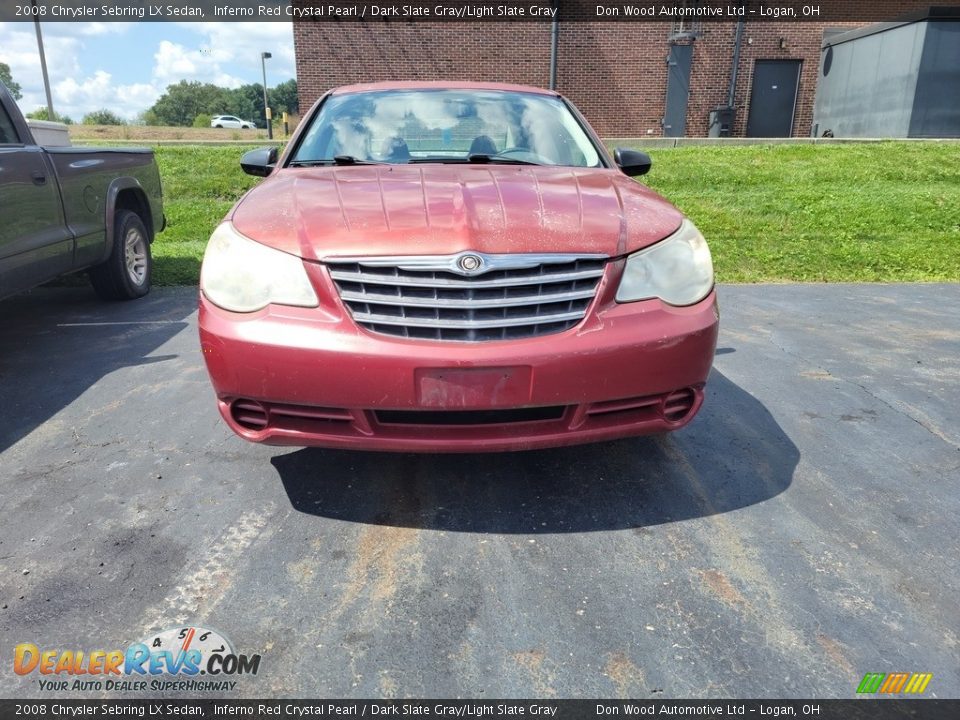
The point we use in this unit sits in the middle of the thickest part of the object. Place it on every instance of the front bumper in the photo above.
(310, 376)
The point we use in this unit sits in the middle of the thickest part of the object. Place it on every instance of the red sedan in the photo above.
(451, 267)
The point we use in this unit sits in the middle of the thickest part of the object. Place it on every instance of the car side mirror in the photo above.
(259, 162)
(632, 162)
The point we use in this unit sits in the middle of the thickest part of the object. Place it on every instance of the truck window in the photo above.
(8, 135)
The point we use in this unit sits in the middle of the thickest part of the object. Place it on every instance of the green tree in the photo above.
(147, 117)
(41, 113)
(182, 102)
(202, 120)
(246, 102)
(7, 79)
(283, 98)
(103, 117)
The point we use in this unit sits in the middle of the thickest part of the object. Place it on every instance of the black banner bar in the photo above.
(860, 709)
(688, 11)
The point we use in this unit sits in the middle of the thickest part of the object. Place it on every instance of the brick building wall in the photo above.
(766, 40)
(615, 72)
(335, 53)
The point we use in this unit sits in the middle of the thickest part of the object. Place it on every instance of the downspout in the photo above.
(554, 38)
(738, 39)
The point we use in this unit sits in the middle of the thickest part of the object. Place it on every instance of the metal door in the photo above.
(773, 98)
(35, 244)
(678, 90)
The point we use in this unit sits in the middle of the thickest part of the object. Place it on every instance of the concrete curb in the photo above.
(661, 142)
(643, 142)
(80, 141)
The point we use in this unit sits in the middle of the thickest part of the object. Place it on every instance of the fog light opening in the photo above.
(249, 414)
(678, 404)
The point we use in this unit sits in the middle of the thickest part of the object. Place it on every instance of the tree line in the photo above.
(186, 104)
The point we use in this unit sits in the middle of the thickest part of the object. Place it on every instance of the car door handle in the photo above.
(38, 178)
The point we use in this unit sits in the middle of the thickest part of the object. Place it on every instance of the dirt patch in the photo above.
(624, 674)
(816, 374)
(721, 587)
(380, 558)
(835, 651)
(147, 133)
(532, 661)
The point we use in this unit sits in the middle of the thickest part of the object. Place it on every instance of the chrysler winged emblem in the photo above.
(470, 263)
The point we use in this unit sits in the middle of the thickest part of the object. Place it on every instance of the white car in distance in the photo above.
(229, 121)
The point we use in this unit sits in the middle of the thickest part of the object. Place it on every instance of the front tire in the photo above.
(126, 273)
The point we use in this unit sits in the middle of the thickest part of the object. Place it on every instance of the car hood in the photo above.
(433, 209)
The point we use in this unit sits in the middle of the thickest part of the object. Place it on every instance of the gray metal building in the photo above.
(892, 80)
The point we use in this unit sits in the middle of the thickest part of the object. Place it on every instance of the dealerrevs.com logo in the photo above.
(183, 658)
(894, 683)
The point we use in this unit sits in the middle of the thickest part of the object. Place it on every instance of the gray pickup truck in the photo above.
(64, 209)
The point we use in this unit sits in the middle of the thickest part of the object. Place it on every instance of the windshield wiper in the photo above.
(351, 160)
(337, 160)
(309, 163)
(477, 158)
(498, 159)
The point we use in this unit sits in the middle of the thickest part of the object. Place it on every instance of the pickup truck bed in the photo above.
(70, 208)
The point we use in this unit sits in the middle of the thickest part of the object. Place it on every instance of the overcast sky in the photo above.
(125, 67)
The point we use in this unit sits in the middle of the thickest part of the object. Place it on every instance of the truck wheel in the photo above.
(126, 273)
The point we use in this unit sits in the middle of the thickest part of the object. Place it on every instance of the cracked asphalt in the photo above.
(801, 532)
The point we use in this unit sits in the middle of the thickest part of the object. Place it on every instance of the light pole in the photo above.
(264, 56)
(43, 64)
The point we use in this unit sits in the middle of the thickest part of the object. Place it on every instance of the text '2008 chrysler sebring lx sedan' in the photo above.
(454, 267)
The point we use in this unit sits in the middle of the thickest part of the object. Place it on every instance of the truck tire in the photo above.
(126, 273)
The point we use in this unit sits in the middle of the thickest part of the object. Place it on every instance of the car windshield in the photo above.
(410, 126)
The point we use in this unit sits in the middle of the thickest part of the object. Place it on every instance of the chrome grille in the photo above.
(427, 297)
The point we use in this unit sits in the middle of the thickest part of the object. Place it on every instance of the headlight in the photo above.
(677, 270)
(241, 275)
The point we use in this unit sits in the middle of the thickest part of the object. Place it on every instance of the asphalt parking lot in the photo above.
(801, 532)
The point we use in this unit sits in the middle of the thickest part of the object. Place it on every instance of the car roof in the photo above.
(439, 85)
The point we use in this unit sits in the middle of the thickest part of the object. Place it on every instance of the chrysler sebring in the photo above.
(452, 267)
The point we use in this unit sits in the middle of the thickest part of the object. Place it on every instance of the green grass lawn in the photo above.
(772, 213)
(200, 184)
(866, 212)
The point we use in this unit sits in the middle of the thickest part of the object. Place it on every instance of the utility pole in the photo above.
(43, 63)
(264, 56)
